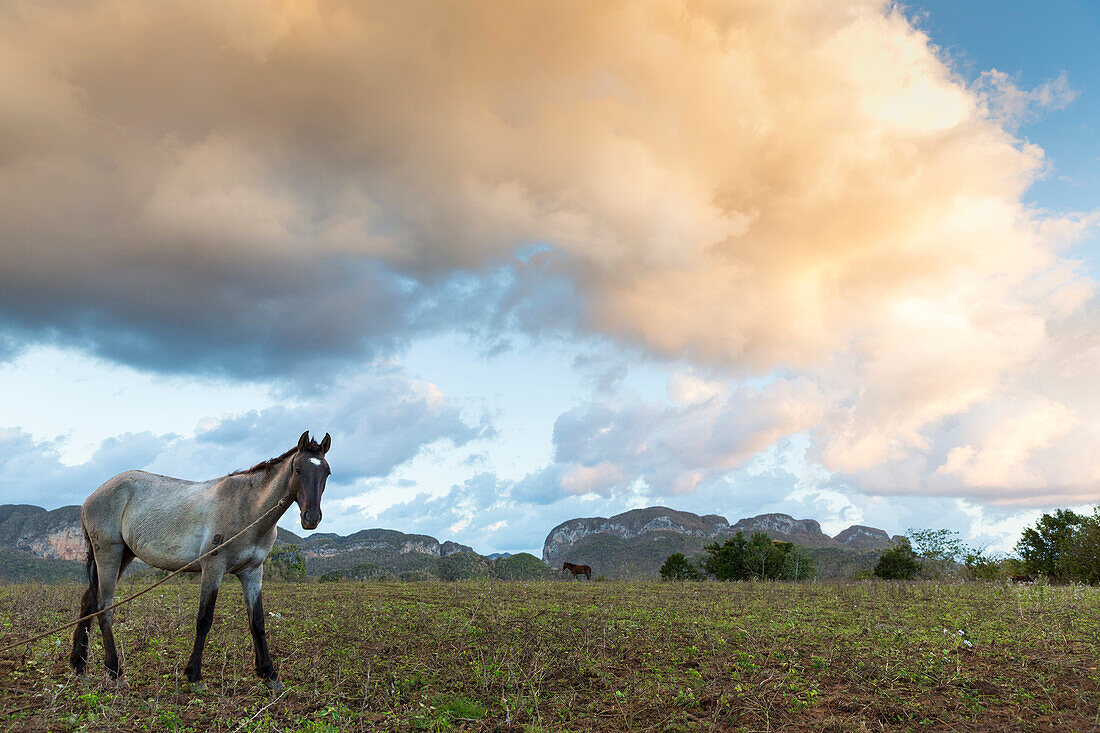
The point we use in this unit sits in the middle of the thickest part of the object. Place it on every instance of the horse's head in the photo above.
(565, 565)
(307, 482)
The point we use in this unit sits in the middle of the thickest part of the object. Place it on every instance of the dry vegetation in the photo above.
(491, 655)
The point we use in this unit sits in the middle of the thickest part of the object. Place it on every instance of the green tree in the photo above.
(978, 566)
(939, 550)
(678, 567)
(728, 560)
(798, 565)
(898, 563)
(1086, 553)
(759, 557)
(285, 562)
(765, 556)
(1064, 546)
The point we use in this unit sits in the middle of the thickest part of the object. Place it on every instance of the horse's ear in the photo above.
(326, 443)
(303, 441)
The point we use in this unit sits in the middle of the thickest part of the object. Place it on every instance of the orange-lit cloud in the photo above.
(749, 186)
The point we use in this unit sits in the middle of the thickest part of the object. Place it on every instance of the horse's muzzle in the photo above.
(310, 520)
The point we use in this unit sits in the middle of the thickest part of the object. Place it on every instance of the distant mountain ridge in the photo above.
(636, 543)
(629, 525)
(327, 544)
(36, 543)
(385, 550)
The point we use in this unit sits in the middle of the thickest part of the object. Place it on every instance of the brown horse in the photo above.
(584, 570)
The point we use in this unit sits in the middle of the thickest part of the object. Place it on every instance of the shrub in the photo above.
(898, 563)
(678, 567)
(760, 557)
(980, 567)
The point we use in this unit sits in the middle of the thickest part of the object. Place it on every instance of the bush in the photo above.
(898, 563)
(761, 558)
(678, 567)
(979, 567)
(521, 566)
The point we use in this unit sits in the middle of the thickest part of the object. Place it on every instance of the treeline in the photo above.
(759, 557)
(1062, 547)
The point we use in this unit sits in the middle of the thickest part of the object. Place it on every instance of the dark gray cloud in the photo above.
(302, 320)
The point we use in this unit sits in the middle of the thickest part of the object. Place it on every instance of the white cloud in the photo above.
(1012, 106)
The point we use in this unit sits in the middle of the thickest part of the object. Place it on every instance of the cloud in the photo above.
(379, 420)
(491, 513)
(663, 449)
(1025, 438)
(741, 184)
(31, 471)
(1011, 106)
(802, 189)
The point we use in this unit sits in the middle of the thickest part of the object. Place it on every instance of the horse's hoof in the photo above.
(196, 687)
(274, 685)
(116, 683)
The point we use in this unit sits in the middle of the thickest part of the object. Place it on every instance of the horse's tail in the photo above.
(88, 604)
(90, 572)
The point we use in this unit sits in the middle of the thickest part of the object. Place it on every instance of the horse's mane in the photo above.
(264, 465)
(312, 447)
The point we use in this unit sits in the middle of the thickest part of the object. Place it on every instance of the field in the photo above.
(574, 656)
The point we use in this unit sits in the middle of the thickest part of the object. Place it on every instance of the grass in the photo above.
(547, 656)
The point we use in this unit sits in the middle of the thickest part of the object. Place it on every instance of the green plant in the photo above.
(1064, 546)
(678, 567)
(898, 562)
(760, 557)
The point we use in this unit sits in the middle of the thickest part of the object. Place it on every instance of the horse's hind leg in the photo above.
(88, 604)
(252, 580)
(208, 598)
(109, 556)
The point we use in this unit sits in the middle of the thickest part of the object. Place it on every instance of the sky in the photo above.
(528, 262)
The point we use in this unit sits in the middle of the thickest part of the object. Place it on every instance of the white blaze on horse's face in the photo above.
(310, 474)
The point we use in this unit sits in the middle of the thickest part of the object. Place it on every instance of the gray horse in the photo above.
(169, 522)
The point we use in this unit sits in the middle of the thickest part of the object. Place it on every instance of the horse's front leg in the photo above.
(208, 596)
(252, 580)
